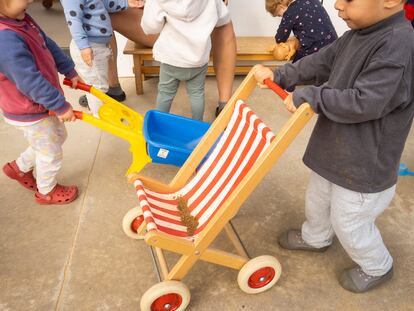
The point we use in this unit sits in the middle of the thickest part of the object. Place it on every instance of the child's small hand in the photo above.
(75, 81)
(139, 4)
(87, 56)
(290, 106)
(261, 73)
(67, 116)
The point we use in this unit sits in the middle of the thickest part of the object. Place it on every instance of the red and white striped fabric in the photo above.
(243, 141)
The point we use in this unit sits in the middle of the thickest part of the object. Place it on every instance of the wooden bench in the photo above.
(251, 49)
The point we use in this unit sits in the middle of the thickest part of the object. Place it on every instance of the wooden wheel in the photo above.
(131, 222)
(259, 274)
(166, 296)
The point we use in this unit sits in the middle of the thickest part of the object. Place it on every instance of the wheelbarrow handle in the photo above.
(276, 88)
(78, 114)
(80, 85)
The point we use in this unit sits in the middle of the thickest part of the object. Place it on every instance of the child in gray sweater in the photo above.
(363, 94)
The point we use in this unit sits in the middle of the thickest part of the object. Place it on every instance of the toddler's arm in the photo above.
(113, 6)
(153, 18)
(285, 27)
(17, 64)
(312, 69)
(73, 15)
(64, 63)
(373, 95)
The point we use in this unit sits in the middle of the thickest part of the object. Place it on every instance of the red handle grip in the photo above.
(276, 88)
(80, 86)
(78, 114)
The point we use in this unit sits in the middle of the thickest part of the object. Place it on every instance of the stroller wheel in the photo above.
(259, 274)
(131, 223)
(167, 295)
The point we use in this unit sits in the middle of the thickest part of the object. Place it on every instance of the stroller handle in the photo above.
(80, 86)
(276, 88)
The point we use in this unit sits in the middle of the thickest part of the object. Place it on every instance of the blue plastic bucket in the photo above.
(171, 138)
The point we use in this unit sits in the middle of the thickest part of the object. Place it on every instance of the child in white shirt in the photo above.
(183, 46)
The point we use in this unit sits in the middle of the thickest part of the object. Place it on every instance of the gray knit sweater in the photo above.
(362, 90)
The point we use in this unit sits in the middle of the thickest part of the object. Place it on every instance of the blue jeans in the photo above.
(170, 77)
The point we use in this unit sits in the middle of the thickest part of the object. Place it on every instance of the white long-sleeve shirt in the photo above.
(185, 27)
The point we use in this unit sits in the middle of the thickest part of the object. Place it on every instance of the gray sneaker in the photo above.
(292, 239)
(357, 281)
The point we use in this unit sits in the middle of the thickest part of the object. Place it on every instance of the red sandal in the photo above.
(27, 180)
(59, 195)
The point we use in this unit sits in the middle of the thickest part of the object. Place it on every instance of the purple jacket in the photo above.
(29, 65)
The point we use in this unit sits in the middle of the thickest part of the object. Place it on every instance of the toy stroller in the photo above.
(207, 201)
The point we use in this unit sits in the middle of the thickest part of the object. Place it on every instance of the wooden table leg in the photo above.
(138, 74)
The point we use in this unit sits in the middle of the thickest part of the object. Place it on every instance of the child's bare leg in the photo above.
(224, 61)
(128, 23)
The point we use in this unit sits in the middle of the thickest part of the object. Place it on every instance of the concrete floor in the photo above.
(76, 257)
(52, 21)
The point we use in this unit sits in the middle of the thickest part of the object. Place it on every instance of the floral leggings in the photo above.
(44, 153)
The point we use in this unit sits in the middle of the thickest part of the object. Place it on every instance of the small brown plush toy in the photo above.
(285, 50)
(186, 218)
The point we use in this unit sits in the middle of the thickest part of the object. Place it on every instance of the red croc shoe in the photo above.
(27, 180)
(59, 195)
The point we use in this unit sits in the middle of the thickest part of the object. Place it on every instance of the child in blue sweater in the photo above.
(91, 30)
(309, 22)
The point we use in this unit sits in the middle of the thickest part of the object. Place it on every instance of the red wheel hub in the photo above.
(136, 223)
(168, 302)
(261, 277)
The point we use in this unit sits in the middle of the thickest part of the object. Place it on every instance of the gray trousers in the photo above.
(331, 209)
(170, 77)
(97, 74)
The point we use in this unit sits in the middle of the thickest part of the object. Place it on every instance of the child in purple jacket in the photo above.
(29, 92)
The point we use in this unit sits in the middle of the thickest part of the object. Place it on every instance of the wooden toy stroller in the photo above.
(245, 151)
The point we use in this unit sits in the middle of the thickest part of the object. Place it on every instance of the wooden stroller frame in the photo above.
(199, 249)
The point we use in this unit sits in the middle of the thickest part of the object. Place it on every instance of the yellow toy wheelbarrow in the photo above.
(158, 137)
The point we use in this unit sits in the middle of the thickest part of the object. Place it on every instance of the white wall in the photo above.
(248, 20)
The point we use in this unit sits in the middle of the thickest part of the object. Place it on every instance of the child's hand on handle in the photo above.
(87, 56)
(75, 81)
(67, 116)
(261, 73)
(290, 106)
(138, 4)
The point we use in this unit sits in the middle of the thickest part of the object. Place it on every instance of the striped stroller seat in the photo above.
(244, 149)
(241, 144)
